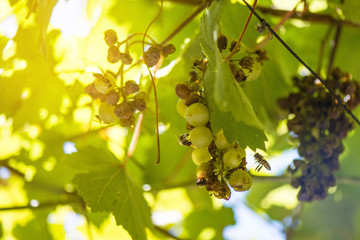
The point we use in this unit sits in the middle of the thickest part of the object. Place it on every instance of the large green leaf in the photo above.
(36, 228)
(226, 99)
(91, 159)
(111, 189)
(131, 209)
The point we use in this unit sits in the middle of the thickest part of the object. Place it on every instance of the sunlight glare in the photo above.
(70, 17)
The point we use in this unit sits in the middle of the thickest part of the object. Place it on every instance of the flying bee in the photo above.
(184, 140)
(262, 162)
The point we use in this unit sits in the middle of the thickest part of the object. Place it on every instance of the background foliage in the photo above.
(48, 193)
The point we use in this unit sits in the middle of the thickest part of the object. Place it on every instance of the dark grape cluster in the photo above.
(319, 123)
(122, 102)
(220, 163)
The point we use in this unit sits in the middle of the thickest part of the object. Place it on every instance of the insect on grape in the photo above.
(184, 140)
(262, 162)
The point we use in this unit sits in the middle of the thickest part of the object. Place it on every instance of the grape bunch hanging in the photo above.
(320, 124)
(124, 99)
(218, 162)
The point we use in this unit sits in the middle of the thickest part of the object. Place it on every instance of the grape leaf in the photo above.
(131, 209)
(36, 228)
(91, 159)
(233, 130)
(111, 189)
(227, 94)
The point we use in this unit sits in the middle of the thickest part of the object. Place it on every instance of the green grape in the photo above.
(201, 137)
(240, 180)
(197, 114)
(233, 157)
(200, 155)
(255, 71)
(220, 140)
(204, 170)
(110, 37)
(106, 113)
(181, 107)
(104, 84)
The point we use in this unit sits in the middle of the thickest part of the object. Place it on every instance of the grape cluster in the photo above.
(116, 102)
(219, 163)
(122, 102)
(319, 123)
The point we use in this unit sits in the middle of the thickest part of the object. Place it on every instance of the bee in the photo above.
(184, 140)
(261, 27)
(262, 162)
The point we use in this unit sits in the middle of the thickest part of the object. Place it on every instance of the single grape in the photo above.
(106, 113)
(201, 137)
(255, 71)
(104, 84)
(197, 114)
(204, 170)
(181, 107)
(200, 155)
(220, 140)
(233, 157)
(110, 37)
(240, 180)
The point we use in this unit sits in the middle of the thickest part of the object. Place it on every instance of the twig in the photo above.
(348, 180)
(163, 231)
(296, 215)
(134, 138)
(322, 47)
(41, 205)
(5, 163)
(282, 21)
(237, 45)
(138, 164)
(275, 179)
(185, 22)
(332, 93)
(310, 17)
(191, 2)
(334, 47)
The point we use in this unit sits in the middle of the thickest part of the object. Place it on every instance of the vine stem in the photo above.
(154, 86)
(311, 17)
(185, 22)
(332, 93)
(42, 205)
(241, 35)
(322, 47)
(334, 47)
(308, 16)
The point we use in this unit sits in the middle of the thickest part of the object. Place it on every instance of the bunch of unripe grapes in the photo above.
(319, 123)
(116, 102)
(122, 102)
(219, 163)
